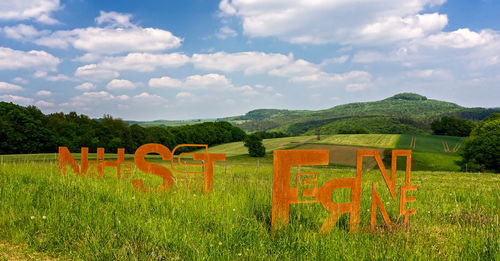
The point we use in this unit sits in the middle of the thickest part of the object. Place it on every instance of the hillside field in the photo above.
(47, 215)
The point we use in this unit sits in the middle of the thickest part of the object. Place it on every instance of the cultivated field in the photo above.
(367, 140)
(87, 218)
(237, 148)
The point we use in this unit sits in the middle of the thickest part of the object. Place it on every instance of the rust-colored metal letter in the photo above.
(209, 159)
(152, 168)
(283, 194)
(66, 158)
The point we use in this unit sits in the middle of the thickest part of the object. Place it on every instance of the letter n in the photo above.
(65, 157)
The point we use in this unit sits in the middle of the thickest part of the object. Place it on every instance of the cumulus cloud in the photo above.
(39, 10)
(118, 37)
(143, 62)
(118, 84)
(114, 19)
(461, 38)
(351, 81)
(429, 74)
(151, 99)
(226, 32)
(165, 81)
(91, 72)
(9, 87)
(13, 59)
(298, 67)
(184, 96)
(248, 62)
(53, 78)
(211, 80)
(86, 86)
(44, 104)
(341, 22)
(43, 93)
(22, 32)
(20, 80)
(16, 99)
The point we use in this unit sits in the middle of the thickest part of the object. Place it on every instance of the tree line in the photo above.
(28, 130)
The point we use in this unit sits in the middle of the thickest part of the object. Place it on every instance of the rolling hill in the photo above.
(401, 113)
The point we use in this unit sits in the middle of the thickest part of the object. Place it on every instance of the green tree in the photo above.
(255, 146)
(482, 148)
(452, 126)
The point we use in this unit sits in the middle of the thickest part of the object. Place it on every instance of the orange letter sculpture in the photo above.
(284, 195)
(124, 168)
(152, 168)
(94, 167)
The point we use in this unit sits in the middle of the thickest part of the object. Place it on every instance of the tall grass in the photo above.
(87, 218)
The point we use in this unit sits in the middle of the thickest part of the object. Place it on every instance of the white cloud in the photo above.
(86, 86)
(9, 87)
(226, 32)
(352, 81)
(13, 59)
(118, 84)
(335, 60)
(368, 57)
(299, 67)
(89, 98)
(20, 80)
(401, 28)
(16, 99)
(92, 73)
(22, 32)
(248, 62)
(340, 21)
(114, 19)
(211, 80)
(461, 38)
(429, 74)
(43, 93)
(123, 97)
(151, 99)
(247, 90)
(53, 78)
(119, 37)
(184, 96)
(39, 10)
(165, 81)
(143, 62)
(88, 58)
(44, 104)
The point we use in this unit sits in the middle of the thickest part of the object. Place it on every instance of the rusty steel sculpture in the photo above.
(284, 194)
(124, 168)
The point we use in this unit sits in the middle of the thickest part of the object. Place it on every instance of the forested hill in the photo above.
(401, 113)
(28, 130)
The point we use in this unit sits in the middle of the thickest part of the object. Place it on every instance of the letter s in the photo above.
(152, 168)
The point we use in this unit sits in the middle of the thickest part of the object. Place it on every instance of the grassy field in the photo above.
(86, 218)
(431, 143)
(237, 148)
(368, 140)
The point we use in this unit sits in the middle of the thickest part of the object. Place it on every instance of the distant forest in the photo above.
(28, 130)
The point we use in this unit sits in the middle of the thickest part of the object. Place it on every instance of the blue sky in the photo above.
(147, 60)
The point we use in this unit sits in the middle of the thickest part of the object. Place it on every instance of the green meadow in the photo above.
(46, 215)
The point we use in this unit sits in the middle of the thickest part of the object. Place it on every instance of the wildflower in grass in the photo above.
(44, 217)
(239, 254)
(32, 217)
(220, 243)
(234, 209)
(133, 197)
